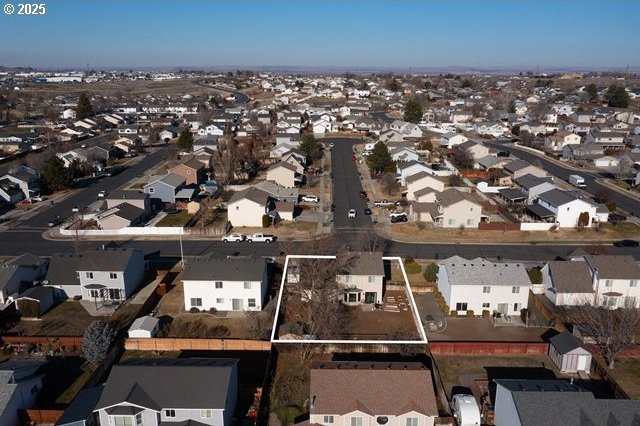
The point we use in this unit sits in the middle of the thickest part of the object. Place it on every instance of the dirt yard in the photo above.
(627, 374)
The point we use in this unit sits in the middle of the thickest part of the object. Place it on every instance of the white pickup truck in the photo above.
(261, 238)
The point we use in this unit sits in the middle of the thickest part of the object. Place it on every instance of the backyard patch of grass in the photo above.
(627, 374)
(70, 393)
(69, 318)
(177, 219)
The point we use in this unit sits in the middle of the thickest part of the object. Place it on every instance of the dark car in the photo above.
(400, 218)
(617, 217)
(333, 207)
(627, 243)
(367, 211)
(363, 194)
(54, 222)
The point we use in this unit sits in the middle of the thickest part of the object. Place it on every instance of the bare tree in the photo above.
(611, 329)
(261, 322)
(389, 184)
(224, 162)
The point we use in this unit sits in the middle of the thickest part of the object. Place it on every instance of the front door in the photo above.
(370, 297)
(237, 304)
(503, 308)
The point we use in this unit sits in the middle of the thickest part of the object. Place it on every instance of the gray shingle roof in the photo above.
(615, 267)
(210, 268)
(556, 197)
(529, 181)
(367, 263)
(571, 277)
(193, 383)
(63, 266)
(82, 406)
(566, 342)
(254, 194)
(479, 271)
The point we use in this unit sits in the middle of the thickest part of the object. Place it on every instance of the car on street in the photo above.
(37, 199)
(331, 145)
(382, 203)
(352, 213)
(310, 198)
(54, 222)
(75, 209)
(261, 238)
(130, 154)
(235, 238)
(627, 243)
(102, 194)
(401, 218)
(367, 211)
(616, 217)
(363, 194)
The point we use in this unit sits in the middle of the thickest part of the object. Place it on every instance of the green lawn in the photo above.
(177, 219)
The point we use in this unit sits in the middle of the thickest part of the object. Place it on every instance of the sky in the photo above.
(108, 34)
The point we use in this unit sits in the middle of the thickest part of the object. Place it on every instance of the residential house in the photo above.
(80, 411)
(201, 143)
(26, 178)
(370, 393)
(449, 139)
(21, 382)
(192, 171)
(406, 129)
(583, 152)
(489, 129)
(295, 158)
(404, 154)
(103, 274)
(210, 130)
(534, 185)
(121, 216)
(420, 181)
(363, 283)
(10, 191)
(517, 168)
(167, 392)
(18, 274)
(559, 140)
(478, 285)
(225, 284)
(247, 207)
(167, 188)
(558, 402)
(452, 209)
(476, 150)
(279, 193)
(284, 174)
(411, 168)
(567, 208)
(135, 198)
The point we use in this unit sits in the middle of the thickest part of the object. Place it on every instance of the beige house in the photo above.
(284, 174)
(517, 168)
(295, 161)
(283, 211)
(138, 199)
(364, 282)
(247, 207)
(476, 150)
(423, 180)
(425, 195)
(121, 216)
(452, 209)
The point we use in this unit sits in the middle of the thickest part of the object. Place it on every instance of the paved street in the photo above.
(622, 201)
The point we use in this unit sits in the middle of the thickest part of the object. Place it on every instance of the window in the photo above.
(114, 293)
(218, 284)
(206, 414)
(630, 302)
(486, 289)
(113, 276)
(328, 419)
(372, 279)
(515, 289)
(89, 275)
(608, 283)
(77, 274)
(352, 298)
(486, 305)
(252, 303)
(139, 419)
(348, 279)
(452, 221)
(356, 421)
(247, 285)
(516, 307)
(152, 190)
(196, 302)
(219, 300)
(633, 283)
(122, 420)
(412, 421)
(170, 413)
(460, 306)
(94, 294)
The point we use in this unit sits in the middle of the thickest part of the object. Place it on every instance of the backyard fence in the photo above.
(179, 344)
(70, 343)
(40, 416)
(489, 348)
(498, 226)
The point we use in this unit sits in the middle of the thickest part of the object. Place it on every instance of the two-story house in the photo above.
(478, 284)
(371, 393)
(167, 392)
(101, 274)
(247, 207)
(192, 171)
(18, 274)
(165, 188)
(225, 284)
(284, 174)
(452, 209)
(566, 208)
(364, 281)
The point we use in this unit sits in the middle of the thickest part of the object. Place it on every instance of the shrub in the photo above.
(29, 308)
(408, 260)
(486, 313)
(194, 310)
(413, 268)
(212, 310)
(453, 313)
(266, 220)
(431, 273)
(611, 206)
(470, 313)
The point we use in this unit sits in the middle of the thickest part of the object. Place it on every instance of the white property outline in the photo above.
(414, 309)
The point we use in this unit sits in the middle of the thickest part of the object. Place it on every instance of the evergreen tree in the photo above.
(56, 176)
(413, 111)
(380, 159)
(84, 108)
(311, 147)
(592, 91)
(617, 97)
(185, 140)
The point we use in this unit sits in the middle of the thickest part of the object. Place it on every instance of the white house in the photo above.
(566, 208)
(411, 168)
(210, 130)
(364, 281)
(371, 393)
(247, 207)
(449, 140)
(478, 284)
(420, 181)
(225, 284)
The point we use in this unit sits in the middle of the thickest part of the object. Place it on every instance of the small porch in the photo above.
(354, 296)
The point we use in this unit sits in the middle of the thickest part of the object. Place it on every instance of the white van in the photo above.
(466, 410)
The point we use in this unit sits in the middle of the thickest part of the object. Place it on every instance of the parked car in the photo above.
(616, 217)
(331, 145)
(466, 410)
(236, 238)
(397, 219)
(352, 213)
(627, 243)
(367, 211)
(130, 154)
(102, 194)
(54, 222)
(382, 203)
(37, 199)
(397, 214)
(75, 209)
(310, 198)
(363, 194)
(261, 238)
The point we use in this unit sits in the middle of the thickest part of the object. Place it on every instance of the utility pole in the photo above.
(181, 249)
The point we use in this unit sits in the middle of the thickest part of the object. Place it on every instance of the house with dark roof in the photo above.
(225, 284)
(364, 280)
(452, 209)
(96, 275)
(534, 185)
(567, 208)
(192, 171)
(19, 273)
(121, 216)
(166, 188)
(370, 393)
(170, 392)
(558, 402)
(247, 207)
(21, 382)
(517, 168)
(80, 411)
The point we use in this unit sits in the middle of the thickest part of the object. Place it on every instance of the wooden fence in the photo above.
(40, 416)
(599, 371)
(489, 348)
(177, 344)
(70, 343)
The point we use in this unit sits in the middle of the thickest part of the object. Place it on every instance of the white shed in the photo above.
(569, 353)
(146, 326)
